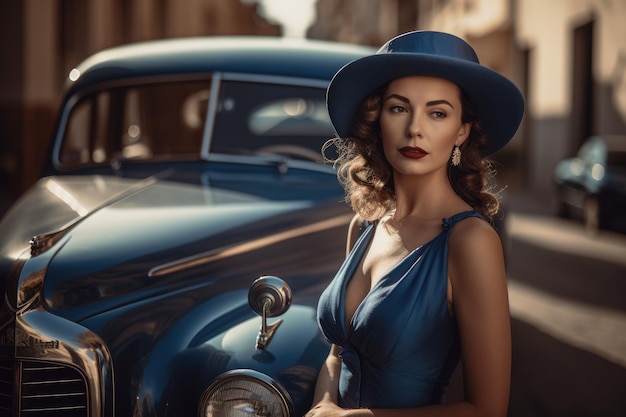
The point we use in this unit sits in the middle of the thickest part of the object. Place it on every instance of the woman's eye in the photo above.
(396, 109)
(438, 114)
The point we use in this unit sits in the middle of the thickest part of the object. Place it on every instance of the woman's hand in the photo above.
(326, 409)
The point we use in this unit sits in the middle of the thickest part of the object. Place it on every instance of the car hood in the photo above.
(126, 240)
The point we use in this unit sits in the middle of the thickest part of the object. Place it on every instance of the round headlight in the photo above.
(245, 393)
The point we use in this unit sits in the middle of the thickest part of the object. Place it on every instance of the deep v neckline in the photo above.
(360, 249)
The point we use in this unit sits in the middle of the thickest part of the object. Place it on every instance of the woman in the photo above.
(417, 293)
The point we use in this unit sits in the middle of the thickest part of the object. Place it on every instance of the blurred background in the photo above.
(568, 57)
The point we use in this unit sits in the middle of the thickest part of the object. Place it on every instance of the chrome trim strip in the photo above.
(275, 79)
(211, 115)
(237, 249)
(60, 132)
(271, 159)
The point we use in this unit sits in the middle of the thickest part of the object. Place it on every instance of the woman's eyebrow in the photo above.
(398, 97)
(430, 103)
(438, 102)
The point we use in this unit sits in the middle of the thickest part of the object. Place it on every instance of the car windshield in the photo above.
(263, 117)
(166, 120)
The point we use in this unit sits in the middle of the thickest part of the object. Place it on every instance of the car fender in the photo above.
(169, 367)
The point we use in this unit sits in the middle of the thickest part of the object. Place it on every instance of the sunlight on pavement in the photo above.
(601, 331)
(594, 329)
(564, 236)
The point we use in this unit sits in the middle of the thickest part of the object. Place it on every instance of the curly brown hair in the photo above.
(367, 176)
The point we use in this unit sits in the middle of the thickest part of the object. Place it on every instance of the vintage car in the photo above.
(182, 208)
(592, 185)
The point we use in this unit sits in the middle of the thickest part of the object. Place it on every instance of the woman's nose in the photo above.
(414, 128)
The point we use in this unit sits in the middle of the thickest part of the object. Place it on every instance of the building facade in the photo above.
(576, 66)
(568, 57)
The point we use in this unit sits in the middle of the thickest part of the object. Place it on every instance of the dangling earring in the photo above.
(456, 156)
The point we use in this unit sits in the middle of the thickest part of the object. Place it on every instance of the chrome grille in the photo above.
(7, 376)
(46, 390)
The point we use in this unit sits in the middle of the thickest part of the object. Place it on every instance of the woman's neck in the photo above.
(427, 197)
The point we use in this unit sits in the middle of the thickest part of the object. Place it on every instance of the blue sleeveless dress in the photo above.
(402, 345)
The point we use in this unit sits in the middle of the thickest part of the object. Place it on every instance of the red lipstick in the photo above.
(413, 152)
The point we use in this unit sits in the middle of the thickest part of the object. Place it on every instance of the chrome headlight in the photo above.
(245, 393)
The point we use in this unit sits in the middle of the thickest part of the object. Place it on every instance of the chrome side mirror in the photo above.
(269, 297)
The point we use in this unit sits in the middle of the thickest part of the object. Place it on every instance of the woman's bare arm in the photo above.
(327, 385)
(480, 298)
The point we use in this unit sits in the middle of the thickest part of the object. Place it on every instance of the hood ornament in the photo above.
(41, 243)
(269, 297)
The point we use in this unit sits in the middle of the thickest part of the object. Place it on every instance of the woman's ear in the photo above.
(464, 133)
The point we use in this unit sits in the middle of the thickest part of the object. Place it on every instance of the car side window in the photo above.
(136, 122)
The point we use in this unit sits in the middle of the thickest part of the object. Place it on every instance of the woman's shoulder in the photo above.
(475, 260)
(475, 255)
(473, 235)
(355, 228)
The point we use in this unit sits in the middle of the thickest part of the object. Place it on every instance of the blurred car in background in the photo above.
(180, 172)
(592, 185)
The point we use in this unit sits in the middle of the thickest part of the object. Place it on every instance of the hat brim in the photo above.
(497, 101)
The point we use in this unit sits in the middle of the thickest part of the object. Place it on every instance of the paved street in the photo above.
(568, 306)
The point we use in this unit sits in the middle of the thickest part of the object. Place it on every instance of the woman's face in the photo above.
(420, 123)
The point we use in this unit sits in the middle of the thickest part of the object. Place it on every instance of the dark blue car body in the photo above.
(180, 171)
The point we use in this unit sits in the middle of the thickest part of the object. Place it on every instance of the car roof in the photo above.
(302, 58)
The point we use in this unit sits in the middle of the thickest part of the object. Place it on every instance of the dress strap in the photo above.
(448, 222)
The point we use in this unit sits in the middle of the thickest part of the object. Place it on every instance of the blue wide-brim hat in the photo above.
(497, 101)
